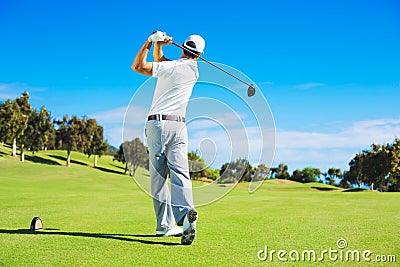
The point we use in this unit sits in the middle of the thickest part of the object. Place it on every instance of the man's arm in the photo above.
(158, 54)
(140, 63)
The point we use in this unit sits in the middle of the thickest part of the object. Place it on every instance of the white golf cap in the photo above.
(198, 41)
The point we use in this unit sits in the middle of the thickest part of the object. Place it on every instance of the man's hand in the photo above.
(167, 40)
(160, 38)
(157, 36)
(158, 54)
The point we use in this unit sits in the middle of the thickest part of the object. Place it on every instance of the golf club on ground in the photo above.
(250, 91)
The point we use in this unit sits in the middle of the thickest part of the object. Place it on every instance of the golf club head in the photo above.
(251, 91)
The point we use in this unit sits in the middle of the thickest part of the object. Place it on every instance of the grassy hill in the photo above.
(100, 217)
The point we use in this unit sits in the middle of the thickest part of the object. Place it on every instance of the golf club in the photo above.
(250, 91)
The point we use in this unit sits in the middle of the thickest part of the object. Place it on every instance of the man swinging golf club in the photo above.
(166, 133)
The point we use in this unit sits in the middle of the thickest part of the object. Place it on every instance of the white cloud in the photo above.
(216, 120)
(310, 85)
(254, 143)
(116, 129)
(10, 91)
(5, 96)
(323, 150)
(358, 134)
(110, 116)
(14, 90)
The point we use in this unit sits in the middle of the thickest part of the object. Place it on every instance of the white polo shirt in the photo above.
(176, 79)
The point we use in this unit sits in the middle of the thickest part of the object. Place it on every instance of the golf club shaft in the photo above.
(212, 64)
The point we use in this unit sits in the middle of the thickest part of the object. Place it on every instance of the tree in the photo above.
(29, 128)
(248, 170)
(111, 150)
(14, 126)
(306, 175)
(197, 165)
(212, 174)
(92, 139)
(226, 174)
(356, 175)
(98, 145)
(261, 172)
(68, 136)
(273, 172)
(239, 170)
(297, 176)
(135, 154)
(374, 166)
(6, 116)
(344, 184)
(332, 174)
(40, 132)
(119, 156)
(13, 121)
(23, 114)
(310, 174)
(280, 172)
(394, 174)
(378, 167)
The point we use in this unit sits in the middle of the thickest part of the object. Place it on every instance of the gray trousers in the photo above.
(168, 145)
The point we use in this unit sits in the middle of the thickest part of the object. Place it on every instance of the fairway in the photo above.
(100, 217)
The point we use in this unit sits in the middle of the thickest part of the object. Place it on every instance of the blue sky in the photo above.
(328, 69)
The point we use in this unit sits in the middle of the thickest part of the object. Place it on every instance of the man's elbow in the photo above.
(141, 69)
(136, 67)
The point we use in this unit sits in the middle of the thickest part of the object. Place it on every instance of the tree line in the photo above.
(377, 167)
(133, 154)
(35, 129)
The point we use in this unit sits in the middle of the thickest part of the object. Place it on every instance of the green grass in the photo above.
(99, 217)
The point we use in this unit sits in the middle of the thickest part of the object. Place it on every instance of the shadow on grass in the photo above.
(119, 167)
(354, 190)
(37, 159)
(108, 170)
(119, 237)
(65, 159)
(321, 188)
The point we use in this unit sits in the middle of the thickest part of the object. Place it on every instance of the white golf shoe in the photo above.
(189, 227)
(177, 231)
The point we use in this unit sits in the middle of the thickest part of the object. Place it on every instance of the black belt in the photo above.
(160, 117)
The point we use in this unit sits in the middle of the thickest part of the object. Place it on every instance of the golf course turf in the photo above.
(100, 217)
